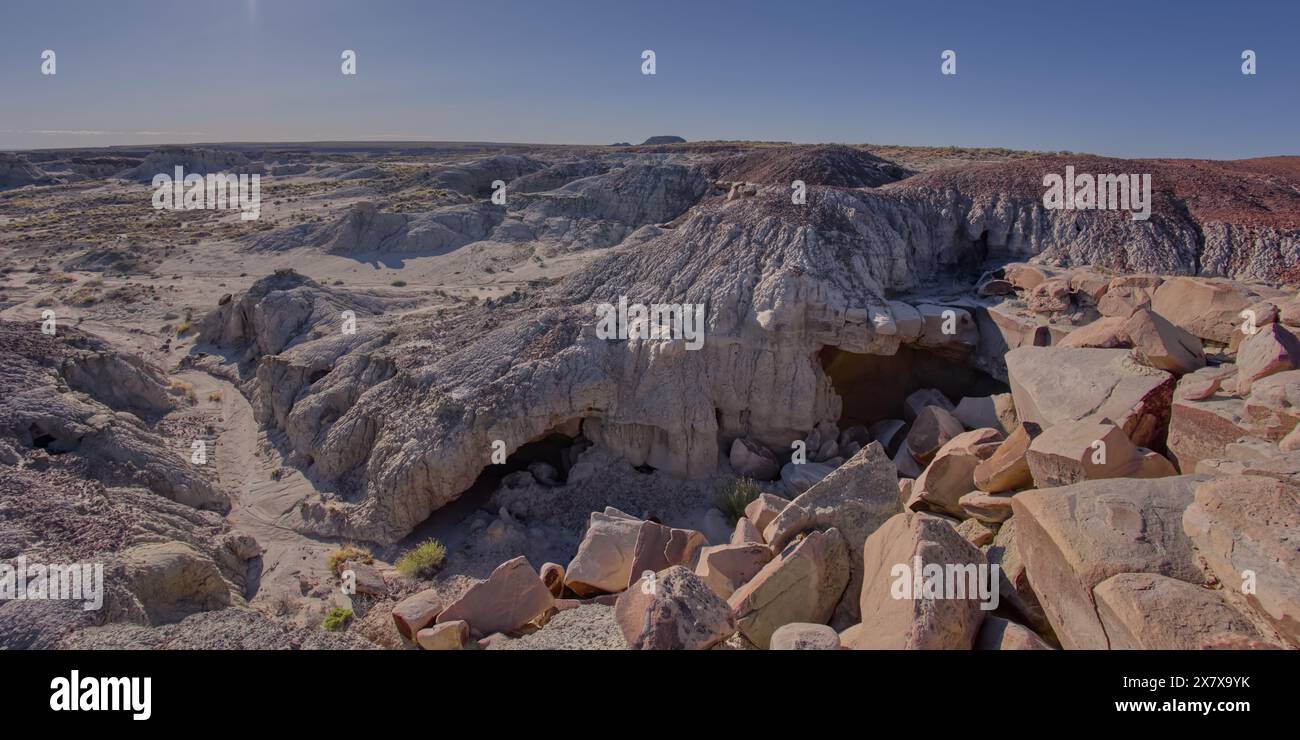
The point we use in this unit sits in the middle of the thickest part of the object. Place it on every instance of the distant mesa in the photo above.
(16, 172)
(657, 140)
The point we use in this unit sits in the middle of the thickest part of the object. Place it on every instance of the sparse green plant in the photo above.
(337, 620)
(735, 495)
(423, 560)
(398, 283)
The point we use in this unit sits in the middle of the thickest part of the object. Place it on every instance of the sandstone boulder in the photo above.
(510, 598)
(855, 500)
(673, 610)
(1053, 386)
(762, 510)
(659, 547)
(1001, 634)
(990, 508)
(1206, 308)
(1008, 469)
(802, 584)
(797, 478)
(1158, 343)
(894, 617)
(933, 428)
(749, 459)
(1104, 333)
(446, 636)
(1147, 611)
(603, 563)
(951, 474)
(746, 533)
(1075, 537)
(803, 636)
(1270, 350)
(1072, 453)
(171, 580)
(728, 567)
(1250, 523)
(918, 400)
(416, 612)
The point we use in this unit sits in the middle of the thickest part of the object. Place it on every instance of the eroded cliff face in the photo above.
(401, 417)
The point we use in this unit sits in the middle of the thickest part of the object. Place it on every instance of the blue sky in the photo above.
(1117, 78)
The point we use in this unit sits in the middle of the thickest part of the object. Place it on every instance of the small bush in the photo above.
(735, 496)
(398, 283)
(348, 554)
(337, 620)
(423, 561)
(215, 396)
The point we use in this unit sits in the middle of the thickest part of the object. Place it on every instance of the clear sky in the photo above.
(1117, 78)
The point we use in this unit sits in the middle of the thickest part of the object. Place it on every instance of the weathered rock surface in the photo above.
(1146, 611)
(997, 633)
(800, 636)
(1252, 524)
(1052, 386)
(803, 583)
(673, 610)
(510, 598)
(855, 500)
(895, 618)
(1075, 537)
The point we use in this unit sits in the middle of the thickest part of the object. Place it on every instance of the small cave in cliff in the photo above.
(873, 387)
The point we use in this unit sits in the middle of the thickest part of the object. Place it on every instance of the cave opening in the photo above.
(873, 387)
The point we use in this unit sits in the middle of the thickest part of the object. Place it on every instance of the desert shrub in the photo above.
(348, 554)
(422, 561)
(215, 396)
(398, 283)
(735, 495)
(337, 619)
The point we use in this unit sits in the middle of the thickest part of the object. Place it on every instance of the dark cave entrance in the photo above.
(873, 387)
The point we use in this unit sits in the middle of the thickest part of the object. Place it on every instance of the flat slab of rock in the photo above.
(802, 584)
(1209, 309)
(1075, 537)
(898, 619)
(1146, 611)
(855, 499)
(511, 597)
(1053, 385)
(673, 610)
(1252, 523)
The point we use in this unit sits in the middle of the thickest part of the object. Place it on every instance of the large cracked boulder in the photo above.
(1268, 351)
(171, 581)
(803, 583)
(1075, 537)
(1054, 386)
(673, 610)
(511, 597)
(895, 616)
(1248, 530)
(855, 499)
